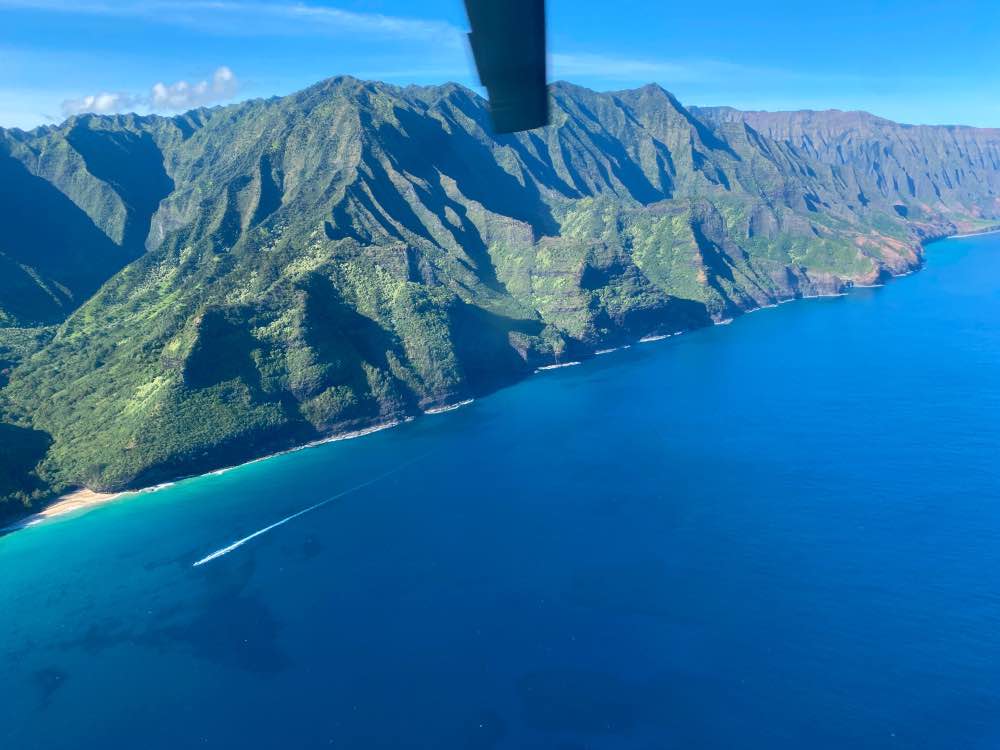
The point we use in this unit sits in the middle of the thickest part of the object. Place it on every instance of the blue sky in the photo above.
(915, 61)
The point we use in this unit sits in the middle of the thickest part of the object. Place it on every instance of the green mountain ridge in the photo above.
(179, 294)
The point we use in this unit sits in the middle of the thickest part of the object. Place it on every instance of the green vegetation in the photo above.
(23, 449)
(181, 293)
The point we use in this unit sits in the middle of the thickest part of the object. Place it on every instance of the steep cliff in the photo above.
(239, 279)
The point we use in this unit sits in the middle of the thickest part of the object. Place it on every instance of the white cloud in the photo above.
(175, 97)
(252, 18)
(103, 104)
(334, 19)
(609, 67)
(184, 95)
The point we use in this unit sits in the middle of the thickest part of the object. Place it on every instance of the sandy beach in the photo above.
(84, 499)
(70, 503)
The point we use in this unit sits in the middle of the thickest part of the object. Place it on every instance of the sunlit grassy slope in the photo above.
(180, 293)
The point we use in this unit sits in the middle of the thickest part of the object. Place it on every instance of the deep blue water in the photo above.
(784, 533)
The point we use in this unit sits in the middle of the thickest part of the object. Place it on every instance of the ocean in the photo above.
(778, 534)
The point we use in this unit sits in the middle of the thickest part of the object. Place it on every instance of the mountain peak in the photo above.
(278, 270)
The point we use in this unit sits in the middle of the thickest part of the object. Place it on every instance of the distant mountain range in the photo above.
(178, 294)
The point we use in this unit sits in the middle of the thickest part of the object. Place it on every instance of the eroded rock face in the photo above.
(238, 279)
(915, 171)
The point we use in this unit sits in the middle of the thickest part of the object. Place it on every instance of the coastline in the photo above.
(78, 500)
(83, 499)
(449, 407)
(557, 366)
(967, 235)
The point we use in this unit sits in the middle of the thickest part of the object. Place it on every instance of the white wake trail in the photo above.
(240, 542)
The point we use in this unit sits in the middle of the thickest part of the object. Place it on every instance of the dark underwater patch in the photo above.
(48, 681)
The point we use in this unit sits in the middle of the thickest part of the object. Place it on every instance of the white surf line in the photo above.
(306, 446)
(449, 407)
(557, 367)
(240, 542)
(972, 234)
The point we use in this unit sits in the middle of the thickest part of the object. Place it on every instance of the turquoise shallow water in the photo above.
(783, 533)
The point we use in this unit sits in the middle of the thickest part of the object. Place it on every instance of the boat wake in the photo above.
(260, 532)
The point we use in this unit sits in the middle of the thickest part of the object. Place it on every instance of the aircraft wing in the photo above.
(508, 44)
